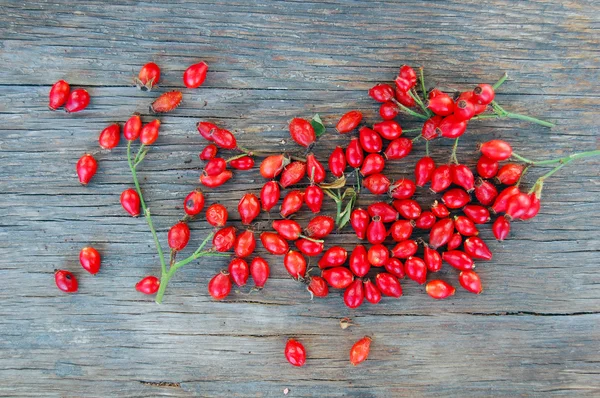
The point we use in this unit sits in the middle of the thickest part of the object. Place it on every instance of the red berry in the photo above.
(496, 150)
(404, 98)
(338, 277)
(388, 111)
(273, 165)
(314, 169)
(377, 184)
(243, 163)
(441, 178)
(430, 128)
(292, 203)
(388, 284)
(501, 228)
(441, 232)
(130, 200)
(425, 220)
(194, 75)
(372, 293)
(464, 110)
(58, 94)
(469, 97)
(433, 259)
(483, 94)
(244, 245)
(454, 242)
(89, 258)
(470, 281)
(65, 281)
(434, 93)
(439, 210)
(475, 247)
(224, 239)
(463, 177)
(465, 226)
(408, 208)
(318, 286)
(133, 127)
(149, 132)
(148, 77)
(295, 264)
(376, 231)
(309, 247)
(509, 174)
(206, 130)
(401, 230)
(501, 201)
(386, 212)
(302, 132)
(487, 168)
(395, 267)
(458, 259)
(337, 162)
(259, 269)
(405, 249)
(179, 236)
(217, 215)
(402, 189)
(148, 285)
(534, 208)
(378, 255)
(477, 214)
(456, 198)
(333, 257)
(374, 163)
(295, 353)
(359, 220)
(215, 166)
(370, 141)
(289, 229)
(407, 78)
(439, 290)
(441, 104)
(416, 269)
(518, 205)
(451, 127)
(424, 169)
(166, 102)
(354, 153)
(77, 101)
(274, 243)
(398, 148)
(354, 294)
(485, 192)
(360, 350)
(224, 139)
(86, 168)
(320, 226)
(239, 271)
(249, 208)
(219, 286)
(359, 263)
(269, 195)
(292, 174)
(216, 181)
(193, 203)
(381, 92)
(388, 129)
(349, 122)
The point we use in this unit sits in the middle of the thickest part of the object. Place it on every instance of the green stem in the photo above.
(504, 113)
(454, 148)
(408, 110)
(565, 159)
(426, 147)
(146, 211)
(522, 159)
(238, 157)
(501, 81)
(411, 130)
(414, 96)
(311, 239)
(423, 89)
(417, 138)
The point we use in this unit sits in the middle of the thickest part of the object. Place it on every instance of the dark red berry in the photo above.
(166, 102)
(148, 77)
(65, 281)
(58, 94)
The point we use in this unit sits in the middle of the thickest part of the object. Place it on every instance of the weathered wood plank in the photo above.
(532, 332)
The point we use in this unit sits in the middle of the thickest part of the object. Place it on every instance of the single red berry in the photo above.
(454, 242)
(295, 264)
(441, 178)
(372, 293)
(477, 214)
(65, 281)
(289, 229)
(430, 128)
(148, 77)
(441, 232)
(354, 294)
(441, 104)
(376, 231)
(483, 94)
(464, 110)
(215, 166)
(333, 257)
(149, 132)
(292, 203)
(501, 228)
(433, 259)
(58, 94)
(359, 220)
(148, 285)
(451, 127)
(388, 129)
(496, 150)
(243, 163)
(534, 208)
(398, 149)
(378, 255)
(470, 281)
(374, 163)
(224, 239)
(216, 181)
(485, 192)
(370, 141)
(349, 122)
(501, 201)
(425, 220)
(179, 236)
(360, 350)
(458, 259)
(408, 208)
(167, 102)
(302, 132)
(405, 249)
(77, 101)
(318, 286)
(385, 211)
(310, 247)
(274, 243)
(338, 277)
(193, 203)
(216, 215)
(319, 227)
(133, 127)
(463, 177)
(407, 78)
(509, 174)
(206, 130)
(439, 290)
(475, 247)
(388, 110)
(517, 205)
(86, 168)
(359, 263)
(377, 184)
(295, 353)
(239, 271)
(395, 267)
(249, 208)
(487, 168)
(292, 174)
(337, 162)
(416, 269)
(381, 92)
(314, 169)
(273, 165)
(401, 230)
(224, 139)
(424, 169)
(469, 97)
(402, 189)
(354, 153)
(404, 98)
(259, 270)
(388, 284)
(130, 200)
(219, 286)
(269, 195)
(456, 198)
(89, 258)
(194, 75)
(439, 210)
(245, 244)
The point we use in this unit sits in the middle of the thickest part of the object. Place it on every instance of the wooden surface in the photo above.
(533, 332)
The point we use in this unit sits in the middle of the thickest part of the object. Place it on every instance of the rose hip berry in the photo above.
(313, 197)
(441, 232)
(401, 230)
(408, 208)
(219, 286)
(497, 150)
(405, 249)
(439, 210)
(215, 166)
(454, 242)
(193, 203)
(386, 212)
(501, 228)
(381, 92)
(259, 270)
(216, 215)
(337, 162)
(485, 192)
(475, 247)
(89, 258)
(451, 127)
(338, 277)
(244, 245)
(359, 220)
(318, 286)
(288, 229)
(269, 195)
(110, 136)
(295, 353)
(77, 101)
(377, 184)
(224, 139)
(441, 178)
(239, 271)
(58, 94)
(149, 133)
(426, 220)
(179, 236)
(314, 169)
(465, 226)
(395, 267)
(483, 94)
(456, 198)
(501, 202)
(388, 285)
(148, 285)
(349, 122)
(319, 227)
(509, 174)
(416, 269)
(370, 141)
(470, 281)
(458, 259)
(372, 293)
(486, 167)
(295, 264)
(292, 174)
(354, 153)
(148, 77)
(433, 259)
(65, 281)
(302, 132)
(378, 255)
(376, 231)
(224, 239)
(388, 111)
(439, 289)
(274, 243)
(463, 177)
(273, 165)
(86, 168)
(194, 75)
(398, 148)
(388, 129)
(249, 208)
(133, 127)
(517, 205)
(292, 203)
(333, 257)
(354, 294)
(360, 350)
(359, 264)
(167, 102)
(477, 214)
(216, 181)
(424, 169)
(441, 104)
(130, 200)
(243, 163)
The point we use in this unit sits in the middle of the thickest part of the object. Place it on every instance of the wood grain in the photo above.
(533, 332)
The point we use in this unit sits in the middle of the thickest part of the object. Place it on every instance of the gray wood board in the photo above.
(534, 330)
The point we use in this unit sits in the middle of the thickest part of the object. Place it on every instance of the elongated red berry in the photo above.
(260, 271)
(401, 230)
(317, 286)
(216, 181)
(58, 94)
(509, 174)
(333, 257)
(360, 350)
(378, 255)
(376, 231)
(193, 203)
(65, 281)
(148, 77)
(167, 102)
(456, 198)
(465, 226)
(370, 141)
(313, 197)
(454, 242)
(517, 205)
(217, 215)
(314, 169)
(269, 195)
(319, 227)
(273, 165)
(149, 132)
(440, 210)
(477, 214)
(451, 127)
(215, 166)
(381, 92)
(534, 208)
(441, 178)
(407, 78)
(302, 132)
(359, 220)
(310, 248)
(338, 277)
(470, 281)
(377, 184)
(89, 258)
(77, 101)
(388, 129)
(372, 293)
(388, 284)
(501, 201)
(404, 98)
(148, 285)
(486, 167)
(354, 294)
(458, 259)
(133, 127)
(179, 236)
(430, 128)
(441, 104)
(274, 243)
(224, 139)
(130, 200)
(374, 163)
(245, 244)
(497, 150)
(358, 262)
(395, 267)
(295, 353)
(243, 163)
(292, 203)
(416, 269)
(224, 239)
(295, 264)
(476, 248)
(337, 162)
(426, 220)
(439, 289)
(405, 249)
(424, 169)
(354, 153)
(433, 259)
(288, 229)
(464, 110)
(292, 174)
(441, 232)
(398, 148)
(239, 271)
(402, 189)
(348, 122)
(219, 286)
(408, 208)
(388, 110)
(86, 168)
(249, 208)
(463, 177)
(485, 192)
(206, 130)
(194, 75)
(385, 211)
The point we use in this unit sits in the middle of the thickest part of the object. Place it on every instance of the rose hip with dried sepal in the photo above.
(319, 227)
(194, 75)
(370, 141)
(295, 264)
(509, 174)
(376, 231)
(497, 150)
(259, 270)
(477, 214)
(239, 271)
(348, 122)
(216, 181)
(86, 168)
(314, 169)
(439, 210)
(475, 247)
(249, 208)
(354, 153)
(224, 239)
(354, 294)
(433, 259)
(430, 128)
(302, 132)
(439, 289)
(381, 92)
(486, 167)
(148, 285)
(333, 257)
(206, 130)
(309, 247)
(395, 267)
(90, 260)
(398, 149)
(132, 127)
(388, 129)
(483, 94)
(65, 281)
(388, 284)
(401, 230)
(441, 178)
(292, 203)
(269, 195)
(405, 249)
(416, 269)
(148, 77)
(338, 277)
(77, 100)
(130, 200)
(470, 281)
(273, 165)
(245, 244)
(178, 236)
(465, 226)
(374, 163)
(359, 220)
(372, 293)
(167, 102)
(485, 192)
(149, 132)
(402, 189)
(243, 163)
(274, 243)
(458, 259)
(424, 169)
(292, 174)
(219, 286)
(193, 203)
(441, 232)
(217, 215)
(358, 262)
(317, 286)
(360, 350)
(295, 353)
(377, 184)
(378, 255)
(464, 110)
(59, 93)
